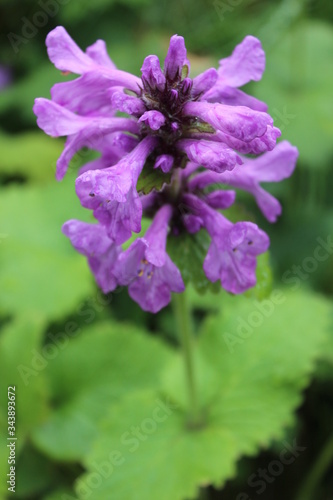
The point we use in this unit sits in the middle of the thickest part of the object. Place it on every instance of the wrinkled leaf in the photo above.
(106, 362)
(249, 401)
(39, 270)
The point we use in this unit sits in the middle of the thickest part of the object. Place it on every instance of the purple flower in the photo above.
(167, 104)
(82, 131)
(239, 122)
(153, 119)
(246, 63)
(188, 135)
(92, 241)
(111, 192)
(273, 166)
(147, 269)
(214, 156)
(68, 57)
(231, 257)
(175, 59)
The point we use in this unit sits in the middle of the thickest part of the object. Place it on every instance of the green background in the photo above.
(111, 349)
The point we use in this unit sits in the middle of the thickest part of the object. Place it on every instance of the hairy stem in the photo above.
(184, 326)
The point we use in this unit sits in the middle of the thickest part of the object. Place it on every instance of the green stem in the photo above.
(309, 489)
(184, 326)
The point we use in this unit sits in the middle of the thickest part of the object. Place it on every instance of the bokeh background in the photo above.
(45, 287)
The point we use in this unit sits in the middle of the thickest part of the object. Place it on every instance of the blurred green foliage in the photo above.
(85, 368)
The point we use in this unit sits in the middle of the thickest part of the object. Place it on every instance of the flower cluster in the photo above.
(193, 134)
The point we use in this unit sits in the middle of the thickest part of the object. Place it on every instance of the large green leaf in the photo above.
(164, 460)
(20, 96)
(18, 343)
(297, 85)
(32, 155)
(35, 474)
(104, 363)
(39, 269)
(250, 400)
(61, 494)
(325, 362)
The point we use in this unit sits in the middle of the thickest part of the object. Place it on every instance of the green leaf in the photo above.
(35, 474)
(264, 275)
(21, 95)
(152, 178)
(18, 343)
(40, 271)
(325, 363)
(298, 91)
(61, 494)
(188, 252)
(32, 155)
(251, 393)
(117, 360)
(165, 460)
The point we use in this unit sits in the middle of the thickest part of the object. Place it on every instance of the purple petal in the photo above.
(238, 121)
(272, 166)
(215, 156)
(57, 121)
(152, 290)
(88, 239)
(156, 236)
(111, 192)
(152, 75)
(192, 223)
(231, 257)
(84, 95)
(112, 147)
(187, 85)
(153, 119)
(128, 263)
(225, 94)
(275, 165)
(98, 53)
(247, 62)
(164, 162)
(127, 103)
(220, 199)
(121, 219)
(95, 186)
(98, 164)
(270, 206)
(175, 58)
(205, 81)
(265, 142)
(65, 54)
(91, 240)
(147, 269)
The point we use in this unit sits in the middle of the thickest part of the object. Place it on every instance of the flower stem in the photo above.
(309, 489)
(184, 326)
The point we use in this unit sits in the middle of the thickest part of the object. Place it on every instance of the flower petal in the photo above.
(65, 54)
(175, 58)
(246, 63)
